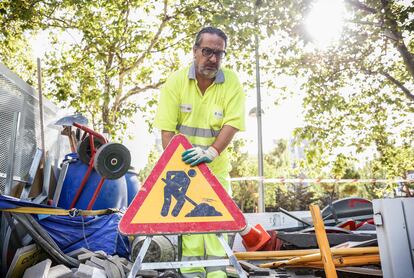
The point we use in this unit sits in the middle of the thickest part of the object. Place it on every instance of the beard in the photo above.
(208, 71)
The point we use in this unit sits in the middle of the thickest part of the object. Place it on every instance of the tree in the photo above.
(16, 18)
(119, 49)
(359, 91)
(125, 48)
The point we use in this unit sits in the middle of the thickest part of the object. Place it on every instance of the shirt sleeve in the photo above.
(166, 117)
(235, 106)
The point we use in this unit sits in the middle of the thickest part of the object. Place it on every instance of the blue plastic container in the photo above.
(133, 184)
(113, 193)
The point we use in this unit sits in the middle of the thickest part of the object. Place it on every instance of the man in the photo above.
(205, 103)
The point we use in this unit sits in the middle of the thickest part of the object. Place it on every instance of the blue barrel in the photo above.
(113, 193)
(133, 184)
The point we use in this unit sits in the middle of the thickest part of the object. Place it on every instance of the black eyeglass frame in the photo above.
(209, 52)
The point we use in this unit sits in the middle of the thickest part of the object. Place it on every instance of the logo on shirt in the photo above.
(186, 108)
(218, 114)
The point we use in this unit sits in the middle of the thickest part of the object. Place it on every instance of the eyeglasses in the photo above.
(208, 52)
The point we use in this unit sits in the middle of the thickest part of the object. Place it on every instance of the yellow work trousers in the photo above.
(204, 246)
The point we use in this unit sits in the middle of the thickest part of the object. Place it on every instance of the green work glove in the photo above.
(197, 155)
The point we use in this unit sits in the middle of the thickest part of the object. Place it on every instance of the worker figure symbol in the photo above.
(176, 185)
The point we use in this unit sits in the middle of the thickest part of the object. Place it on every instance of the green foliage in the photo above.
(153, 157)
(15, 54)
(16, 18)
(359, 90)
(294, 196)
(117, 55)
(117, 50)
(277, 163)
(354, 98)
(245, 192)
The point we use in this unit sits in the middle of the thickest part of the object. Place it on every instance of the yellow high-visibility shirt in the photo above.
(183, 109)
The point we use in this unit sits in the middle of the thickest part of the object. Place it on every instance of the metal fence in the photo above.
(20, 133)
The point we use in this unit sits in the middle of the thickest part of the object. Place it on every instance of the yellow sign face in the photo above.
(178, 199)
(199, 191)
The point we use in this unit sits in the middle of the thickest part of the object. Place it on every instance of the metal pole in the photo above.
(261, 202)
(42, 127)
(12, 153)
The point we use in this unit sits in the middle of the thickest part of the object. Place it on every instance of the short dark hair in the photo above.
(210, 30)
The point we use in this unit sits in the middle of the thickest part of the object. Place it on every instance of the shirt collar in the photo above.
(219, 76)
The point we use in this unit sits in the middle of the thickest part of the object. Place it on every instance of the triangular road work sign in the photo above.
(179, 199)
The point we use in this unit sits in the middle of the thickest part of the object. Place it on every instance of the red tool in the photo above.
(110, 160)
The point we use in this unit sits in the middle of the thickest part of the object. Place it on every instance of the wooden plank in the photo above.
(317, 256)
(323, 243)
(282, 254)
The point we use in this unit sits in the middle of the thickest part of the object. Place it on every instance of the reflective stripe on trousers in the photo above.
(210, 269)
(192, 272)
(194, 275)
(199, 247)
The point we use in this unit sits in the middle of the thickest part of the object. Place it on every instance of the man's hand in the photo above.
(197, 155)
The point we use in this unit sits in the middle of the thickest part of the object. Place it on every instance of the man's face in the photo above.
(207, 63)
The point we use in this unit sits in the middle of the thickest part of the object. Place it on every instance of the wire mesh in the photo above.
(18, 96)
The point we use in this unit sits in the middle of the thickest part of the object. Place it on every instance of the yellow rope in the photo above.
(71, 212)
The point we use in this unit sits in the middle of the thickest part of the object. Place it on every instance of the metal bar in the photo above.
(35, 165)
(259, 130)
(405, 207)
(138, 261)
(323, 243)
(96, 193)
(90, 131)
(47, 172)
(15, 178)
(8, 184)
(12, 147)
(42, 126)
(170, 265)
(232, 258)
(32, 174)
(138, 265)
(261, 202)
(294, 217)
(59, 184)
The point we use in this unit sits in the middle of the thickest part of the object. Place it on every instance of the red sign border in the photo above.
(127, 228)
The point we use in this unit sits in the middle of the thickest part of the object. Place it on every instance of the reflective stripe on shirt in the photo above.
(199, 132)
